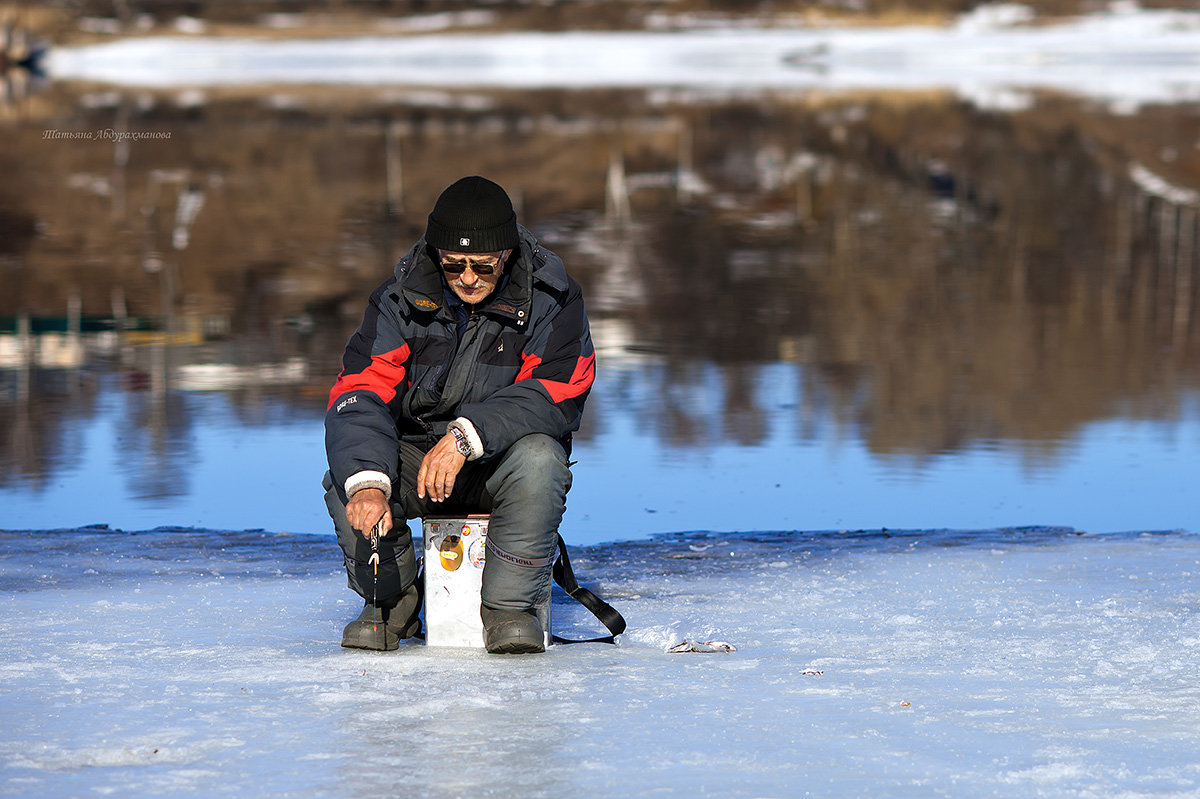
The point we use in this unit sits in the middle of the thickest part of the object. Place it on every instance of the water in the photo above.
(813, 309)
(219, 471)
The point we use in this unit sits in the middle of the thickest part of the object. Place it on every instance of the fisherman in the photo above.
(458, 394)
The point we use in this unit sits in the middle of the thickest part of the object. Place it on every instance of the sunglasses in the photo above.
(455, 266)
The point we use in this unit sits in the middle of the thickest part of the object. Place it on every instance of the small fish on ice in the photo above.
(703, 646)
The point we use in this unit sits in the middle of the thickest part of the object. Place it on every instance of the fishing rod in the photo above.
(376, 531)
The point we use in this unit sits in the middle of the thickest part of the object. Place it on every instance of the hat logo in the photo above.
(464, 242)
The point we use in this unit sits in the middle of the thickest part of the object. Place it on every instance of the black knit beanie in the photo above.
(473, 215)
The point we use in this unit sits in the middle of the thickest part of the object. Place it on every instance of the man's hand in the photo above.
(366, 508)
(439, 468)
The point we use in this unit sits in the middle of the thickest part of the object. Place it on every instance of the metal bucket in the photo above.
(455, 549)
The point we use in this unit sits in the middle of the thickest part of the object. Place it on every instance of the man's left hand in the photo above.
(439, 468)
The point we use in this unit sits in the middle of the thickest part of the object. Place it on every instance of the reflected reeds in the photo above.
(943, 276)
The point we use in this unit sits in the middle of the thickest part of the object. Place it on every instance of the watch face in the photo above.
(464, 447)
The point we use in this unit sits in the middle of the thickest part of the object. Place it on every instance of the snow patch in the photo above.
(995, 17)
(191, 26)
(1159, 187)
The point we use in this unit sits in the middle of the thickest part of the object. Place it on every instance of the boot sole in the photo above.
(517, 648)
(372, 640)
(374, 646)
(518, 634)
(368, 648)
(372, 637)
(519, 641)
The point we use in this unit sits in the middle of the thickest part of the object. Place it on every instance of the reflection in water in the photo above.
(940, 279)
(155, 446)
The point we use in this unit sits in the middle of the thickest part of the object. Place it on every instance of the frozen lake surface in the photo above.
(1127, 56)
(1004, 663)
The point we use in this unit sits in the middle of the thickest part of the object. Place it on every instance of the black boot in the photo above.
(380, 627)
(512, 632)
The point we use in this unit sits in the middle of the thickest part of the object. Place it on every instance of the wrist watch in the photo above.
(460, 441)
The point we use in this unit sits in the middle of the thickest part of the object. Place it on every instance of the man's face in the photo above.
(472, 276)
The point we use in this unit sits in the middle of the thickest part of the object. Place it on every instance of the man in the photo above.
(458, 394)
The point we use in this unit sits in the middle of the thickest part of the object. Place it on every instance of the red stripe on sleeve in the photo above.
(581, 379)
(381, 377)
(528, 364)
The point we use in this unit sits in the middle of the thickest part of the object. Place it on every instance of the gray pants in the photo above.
(524, 490)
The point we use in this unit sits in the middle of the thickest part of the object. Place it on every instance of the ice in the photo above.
(1025, 662)
(1126, 57)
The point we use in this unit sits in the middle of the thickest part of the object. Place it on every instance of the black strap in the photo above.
(565, 577)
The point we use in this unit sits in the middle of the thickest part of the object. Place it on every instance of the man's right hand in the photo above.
(366, 508)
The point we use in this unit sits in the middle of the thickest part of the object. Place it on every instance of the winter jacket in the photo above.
(522, 362)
